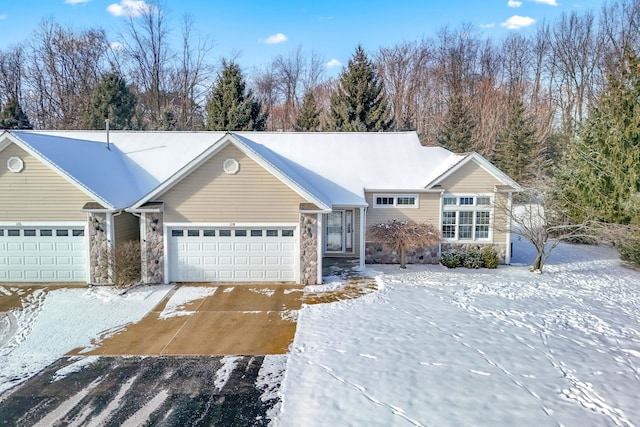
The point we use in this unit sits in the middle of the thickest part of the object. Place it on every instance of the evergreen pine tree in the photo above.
(111, 99)
(13, 117)
(456, 133)
(308, 119)
(231, 106)
(600, 174)
(515, 147)
(359, 104)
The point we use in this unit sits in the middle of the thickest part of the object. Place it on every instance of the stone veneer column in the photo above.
(308, 249)
(99, 250)
(153, 249)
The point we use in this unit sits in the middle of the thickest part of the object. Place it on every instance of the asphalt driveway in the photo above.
(219, 361)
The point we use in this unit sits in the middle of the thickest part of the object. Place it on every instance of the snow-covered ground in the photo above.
(431, 347)
(52, 323)
(505, 347)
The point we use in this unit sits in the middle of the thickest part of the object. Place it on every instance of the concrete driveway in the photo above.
(238, 319)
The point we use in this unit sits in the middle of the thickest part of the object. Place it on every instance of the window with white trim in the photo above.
(395, 200)
(466, 218)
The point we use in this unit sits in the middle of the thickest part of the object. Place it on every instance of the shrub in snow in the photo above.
(490, 257)
(125, 263)
(629, 249)
(451, 258)
(472, 258)
(404, 235)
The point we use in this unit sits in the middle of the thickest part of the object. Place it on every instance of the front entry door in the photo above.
(334, 239)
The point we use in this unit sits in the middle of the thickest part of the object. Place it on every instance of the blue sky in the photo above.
(260, 30)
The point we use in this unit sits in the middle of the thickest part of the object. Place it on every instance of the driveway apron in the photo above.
(239, 319)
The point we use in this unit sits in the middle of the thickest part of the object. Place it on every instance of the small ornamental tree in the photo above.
(403, 235)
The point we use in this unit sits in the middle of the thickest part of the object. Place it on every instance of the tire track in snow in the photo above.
(61, 411)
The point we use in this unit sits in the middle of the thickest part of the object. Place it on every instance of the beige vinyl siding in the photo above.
(428, 210)
(500, 223)
(471, 178)
(208, 194)
(37, 193)
(127, 227)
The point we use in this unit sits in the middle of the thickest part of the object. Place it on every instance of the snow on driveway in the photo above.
(438, 347)
(54, 322)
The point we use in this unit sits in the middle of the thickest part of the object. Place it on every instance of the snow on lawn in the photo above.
(474, 347)
(54, 322)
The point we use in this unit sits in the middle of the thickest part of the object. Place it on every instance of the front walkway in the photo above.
(244, 319)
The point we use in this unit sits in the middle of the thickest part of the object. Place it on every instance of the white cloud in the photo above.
(489, 25)
(549, 2)
(117, 46)
(3, 17)
(129, 8)
(516, 22)
(76, 1)
(333, 63)
(274, 39)
(514, 3)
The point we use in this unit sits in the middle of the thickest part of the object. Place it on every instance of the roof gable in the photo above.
(269, 160)
(483, 163)
(32, 147)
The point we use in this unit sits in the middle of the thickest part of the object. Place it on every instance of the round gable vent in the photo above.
(231, 166)
(15, 164)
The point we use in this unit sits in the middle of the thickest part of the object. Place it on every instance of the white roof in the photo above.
(335, 168)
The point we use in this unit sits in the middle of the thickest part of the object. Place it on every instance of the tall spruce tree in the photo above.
(13, 117)
(359, 103)
(456, 133)
(308, 119)
(599, 177)
(515, 145)
(111, 99)
(231, 106)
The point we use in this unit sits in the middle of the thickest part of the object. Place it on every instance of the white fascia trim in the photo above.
(32, 151)
(284, 178)
(231, 224)
(403, 191)
(43, 223)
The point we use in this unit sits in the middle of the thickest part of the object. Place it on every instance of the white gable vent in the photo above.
(231, 166)
(15, 164)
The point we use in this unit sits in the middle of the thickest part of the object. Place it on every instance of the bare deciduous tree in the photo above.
(403, 235)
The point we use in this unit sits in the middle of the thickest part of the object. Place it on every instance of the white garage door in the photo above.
(232, 254)
(43, 254)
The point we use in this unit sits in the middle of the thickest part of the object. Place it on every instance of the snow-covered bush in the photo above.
(452, 258)
(472, 258)
(490, 257)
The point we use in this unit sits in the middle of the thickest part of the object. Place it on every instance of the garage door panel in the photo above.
(252, 254)
(14, 246)
(36, 254)
(49, 247)
(64, 246)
